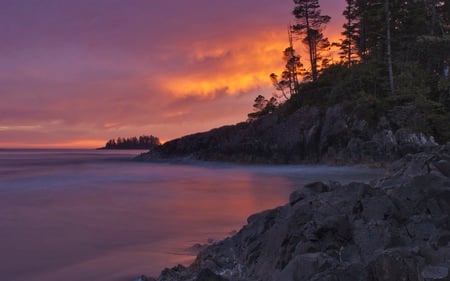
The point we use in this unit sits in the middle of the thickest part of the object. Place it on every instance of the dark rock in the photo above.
(207, 275)
(144, 278)
(296, 196)
(176, 273)
(304, 267)
(443, 166)
(394, 266)
(317, 187)
(435, 273)
(336, 135)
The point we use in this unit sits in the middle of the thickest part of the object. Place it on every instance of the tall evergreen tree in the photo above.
(389, 46)
(293, 65)
(408, 38)
(288, 84)
(310, 24)
(348, 45)
(370, 31)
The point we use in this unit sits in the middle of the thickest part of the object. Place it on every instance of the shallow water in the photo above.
(95, 215)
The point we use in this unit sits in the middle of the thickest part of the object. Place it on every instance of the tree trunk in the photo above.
(388, 47)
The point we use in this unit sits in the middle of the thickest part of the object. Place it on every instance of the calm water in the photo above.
(95, 215)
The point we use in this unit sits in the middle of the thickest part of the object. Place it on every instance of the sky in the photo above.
(75, 73)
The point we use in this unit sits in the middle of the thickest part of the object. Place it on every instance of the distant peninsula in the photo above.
(142, 142)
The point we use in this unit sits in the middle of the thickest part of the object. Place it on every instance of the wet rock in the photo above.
(435, 273)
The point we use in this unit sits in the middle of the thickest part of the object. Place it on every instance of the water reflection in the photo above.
(111, 220)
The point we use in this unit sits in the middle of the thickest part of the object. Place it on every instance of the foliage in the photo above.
(348, 44)
(143, 142)
(310, 24)
(406, 40)
(262, 107)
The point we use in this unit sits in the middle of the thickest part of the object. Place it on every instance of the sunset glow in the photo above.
(77, 144)
(77, 73)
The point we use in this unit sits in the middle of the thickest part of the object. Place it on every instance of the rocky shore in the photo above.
(342, 134)
(397, 228)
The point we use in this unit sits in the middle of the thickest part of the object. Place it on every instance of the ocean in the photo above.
(96, 215)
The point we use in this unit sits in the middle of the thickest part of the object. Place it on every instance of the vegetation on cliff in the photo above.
(393, 54)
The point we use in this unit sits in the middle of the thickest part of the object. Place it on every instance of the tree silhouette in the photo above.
(310, 24)
(348, 45)
(143, 142)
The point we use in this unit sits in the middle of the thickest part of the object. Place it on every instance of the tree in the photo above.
(370, 33)
(143, 142)
(348, 45)
(389, 47)
(288, 85)
(406, 35)
(310, 24)
(260, 103)
(280, 85)
(262, 107)
(293, 65)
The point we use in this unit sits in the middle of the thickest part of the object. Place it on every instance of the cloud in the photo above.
(235, 65)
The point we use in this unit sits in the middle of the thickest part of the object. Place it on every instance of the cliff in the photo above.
(344, 133)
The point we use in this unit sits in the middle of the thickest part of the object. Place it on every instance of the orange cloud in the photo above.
(234, 66)
(110, 125)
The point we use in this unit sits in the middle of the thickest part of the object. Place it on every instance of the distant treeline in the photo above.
(143, 142)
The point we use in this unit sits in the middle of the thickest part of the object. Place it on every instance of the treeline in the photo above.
(392, 53)
(143, 142)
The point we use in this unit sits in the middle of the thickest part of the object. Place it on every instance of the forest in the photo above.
(392, 54)
(143, 142)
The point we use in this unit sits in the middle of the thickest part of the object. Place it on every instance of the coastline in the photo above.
(393, 228)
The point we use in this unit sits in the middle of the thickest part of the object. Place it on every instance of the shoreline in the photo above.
(271, 248)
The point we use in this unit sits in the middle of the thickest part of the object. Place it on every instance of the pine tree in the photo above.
(351, 28)
(310, 24)
(293, 65)
(389, 46)
(288, 85)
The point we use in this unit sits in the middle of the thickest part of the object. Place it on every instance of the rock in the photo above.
(207, 275)
(304, 267)
(339, 134)
(317, 187)
(395, 266)
(296, 196)
(178, 272)
(443, 166)
(435, 273)
(144, 278)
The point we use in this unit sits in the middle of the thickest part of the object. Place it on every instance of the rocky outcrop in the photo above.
(340, 134)
(397, 228)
